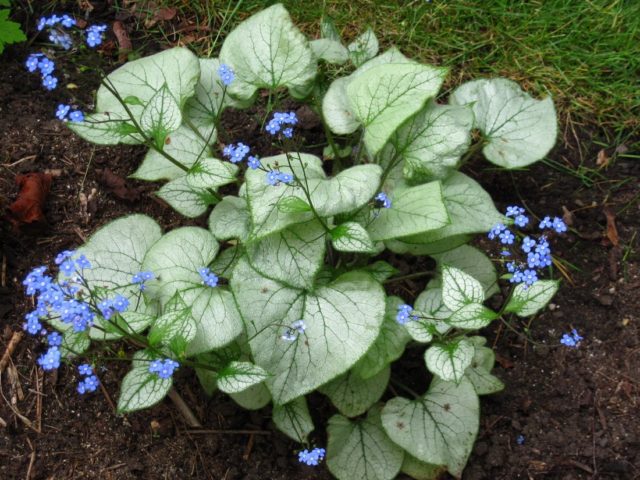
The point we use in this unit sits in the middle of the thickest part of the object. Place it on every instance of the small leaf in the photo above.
(472, 261)
(528, 300)
(183, 198)
(161, 116)
(141, 389)
(211, 173)
(381, 270)
(361, 449)
(459, 288)
(352, 395)
(430, 306)
(450, 360)
(253, 398)
(10, 32)
(479, 372)
(293, 419)
(472, 316)
(363, 48)
(330, 51)
(293, 205)
(175, 322)
(236, 377)
(520, 130)
(328, 29)
(440, 427)
(351, 237)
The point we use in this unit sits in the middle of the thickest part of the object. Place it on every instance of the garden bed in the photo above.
(574, 410)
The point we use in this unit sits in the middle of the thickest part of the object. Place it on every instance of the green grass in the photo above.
(586, 53)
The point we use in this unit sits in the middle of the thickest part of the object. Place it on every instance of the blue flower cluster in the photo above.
(163, 368)
(38, 61)
(572, 339)
(280, 119)
(94, 35)
(313, 457)
(537, 251)
(291, 333)
(275, 177)
(63, 112)
(209, 278)
(405, 314)
(226, 74)
(382, 200)
(236, 152)
(90, 382)
(56, 35)
(110, 306)
(142, 277)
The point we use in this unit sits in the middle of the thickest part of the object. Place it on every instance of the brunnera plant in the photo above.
(284, 294)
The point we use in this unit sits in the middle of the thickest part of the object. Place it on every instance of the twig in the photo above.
(13, 343)
(32, 460)
(3, 424)
(227, 432)
(183, 408)
(108, 398)
(247, 451)
(38, 422)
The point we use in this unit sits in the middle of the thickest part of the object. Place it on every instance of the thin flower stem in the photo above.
(410, 276)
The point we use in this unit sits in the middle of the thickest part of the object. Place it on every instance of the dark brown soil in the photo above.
(577, 409)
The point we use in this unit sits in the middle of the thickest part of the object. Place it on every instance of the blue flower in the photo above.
(94, 35)
(288, 132)
(545, 223)
(49, 82)
(54, 339)
(62, 111)
(527, 244)
(61, 39)
(85, 369)
(285, 177)
(109, 306)
(209, 278)
(520, 440)
(36, 281)
(82, 262)
(521, 221)
(506, 237)
(529, 277)
(51, 359)
(89, 384)
(496, 230)
(558, 225)
(253, 162)
(46, 66)
(505, 253)
(163, 368)
(313, 457)
(76, 116)
(67, 21)
(572, 339)
(296, 328)
(278, 120)
(62, 256)
(226, 74)
(32, 325)
(235, 153)
(405, 314)
(140, 278)
(67, 268)
(382, 200)
(514, 211)
(274, 177)
(32, 61)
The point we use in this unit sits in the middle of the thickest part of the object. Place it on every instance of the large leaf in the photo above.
(336, 107)
(472, 261)
(527, 300)
(268, 51)
(236, 377)
(440, 427)
(361, 450)
(352, 395)
(470, 210)
(184, 145)
(388, 346)
(413, 210)
(349, 190)
(520, 130)
(177, 69)
(175, 259)
(420, 470)
(292, 256)
(230, 219)
(293, 419)
(342, 319)
(384, 96)
(459, 288)
(449, 360)
(431, 142)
